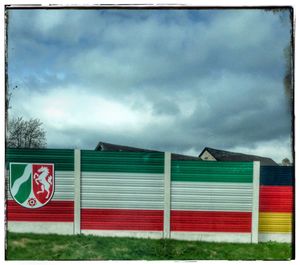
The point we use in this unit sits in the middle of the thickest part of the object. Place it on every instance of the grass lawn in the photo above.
(81, 247)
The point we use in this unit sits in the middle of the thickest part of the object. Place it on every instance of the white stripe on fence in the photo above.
(211, 196)
(122, 190)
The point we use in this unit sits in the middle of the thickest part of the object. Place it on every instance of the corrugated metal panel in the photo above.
(122, 191)
(275, 222)
(276, 176)
(209, 171)
(54, 211)
(200, 221)
(210, 196)
(63, 159)
(144, 162)
(112, 219)
(64, 186)
(276, 199)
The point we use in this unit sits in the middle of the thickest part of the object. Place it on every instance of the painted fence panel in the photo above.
(126, 193)
(57, 216)
(122, 193)
(211, 200)
(276, 203)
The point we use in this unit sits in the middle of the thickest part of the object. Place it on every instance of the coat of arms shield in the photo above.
(31, 184)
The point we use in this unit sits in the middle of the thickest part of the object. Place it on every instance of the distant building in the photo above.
(211, 154)
(122, 148)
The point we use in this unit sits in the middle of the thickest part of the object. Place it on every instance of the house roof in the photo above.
(222, 155)
(114, 147)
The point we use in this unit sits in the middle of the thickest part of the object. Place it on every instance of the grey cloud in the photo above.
(150, 52)
(165, 107)
(229, 64)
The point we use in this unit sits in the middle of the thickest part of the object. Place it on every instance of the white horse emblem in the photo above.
(41, 179)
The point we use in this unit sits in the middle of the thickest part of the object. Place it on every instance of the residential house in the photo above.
(211, 154)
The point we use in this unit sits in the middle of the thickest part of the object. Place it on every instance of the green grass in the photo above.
(81, 247)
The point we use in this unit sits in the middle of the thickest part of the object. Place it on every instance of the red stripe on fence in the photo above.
(276, 199)
(121, 219)
(205, 221)
(54, 211)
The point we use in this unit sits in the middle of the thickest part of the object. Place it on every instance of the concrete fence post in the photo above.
(167, 194)
(255, 202)
(77, 190)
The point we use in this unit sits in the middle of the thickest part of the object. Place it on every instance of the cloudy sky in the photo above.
(170, 80)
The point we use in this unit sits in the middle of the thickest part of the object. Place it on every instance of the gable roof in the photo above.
(114, 147)
(222, 155)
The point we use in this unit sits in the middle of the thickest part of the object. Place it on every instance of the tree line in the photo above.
(25, 133)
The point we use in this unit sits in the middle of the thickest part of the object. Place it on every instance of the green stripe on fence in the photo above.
(203, 171)
(62, 158)
(132, 162)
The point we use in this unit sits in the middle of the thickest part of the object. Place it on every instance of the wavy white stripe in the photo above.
(16, 186)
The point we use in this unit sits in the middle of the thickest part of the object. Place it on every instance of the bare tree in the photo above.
(26, 134)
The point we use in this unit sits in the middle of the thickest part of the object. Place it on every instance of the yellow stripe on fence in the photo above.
(275, 222)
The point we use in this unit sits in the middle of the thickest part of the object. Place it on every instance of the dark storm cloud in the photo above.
(186, 79)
